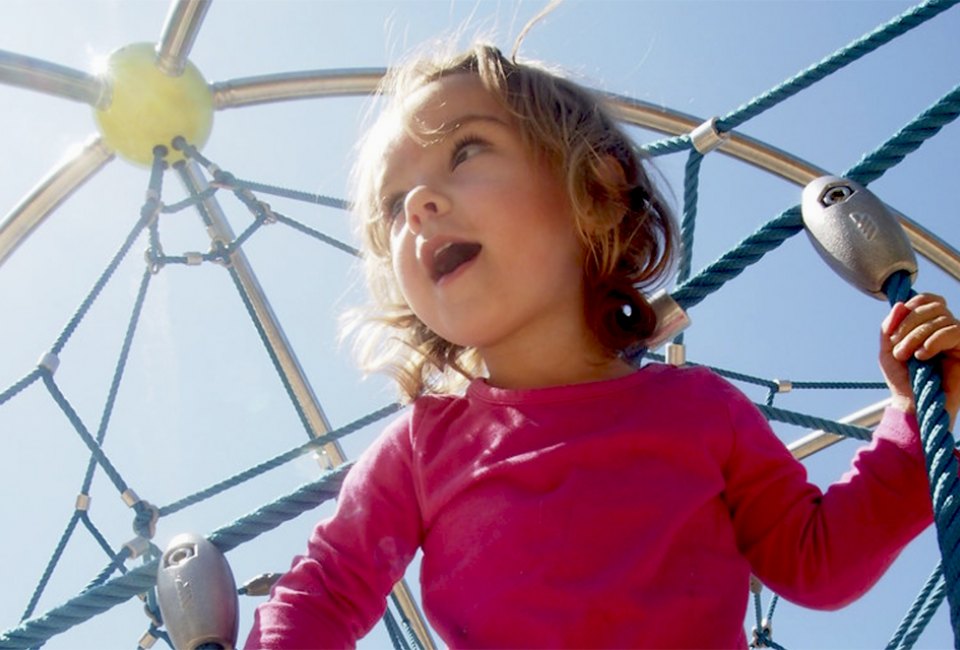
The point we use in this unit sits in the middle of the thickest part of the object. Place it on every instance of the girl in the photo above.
(562, 497)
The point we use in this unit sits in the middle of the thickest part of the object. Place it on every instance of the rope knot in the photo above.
(145, 521)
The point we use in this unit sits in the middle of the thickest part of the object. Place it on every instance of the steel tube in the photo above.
(361, 81)
(34, 208)
(179, 32)
(192, 176)
(288, 86)
(819, 440)
(46, 77)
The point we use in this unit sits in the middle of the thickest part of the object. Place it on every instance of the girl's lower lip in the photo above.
(454, 274)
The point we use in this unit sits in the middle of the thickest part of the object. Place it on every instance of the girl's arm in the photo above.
(334, 594)
(826, 549)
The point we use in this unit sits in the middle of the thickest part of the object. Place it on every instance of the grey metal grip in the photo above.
(197, 595)
(855, 233)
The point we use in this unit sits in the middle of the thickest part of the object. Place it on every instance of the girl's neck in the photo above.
(537, 364)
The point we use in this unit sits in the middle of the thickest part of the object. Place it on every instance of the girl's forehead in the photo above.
(432, 112)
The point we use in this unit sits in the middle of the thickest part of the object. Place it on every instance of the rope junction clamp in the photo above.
(49, 362)
(671, 319)
(137, 546)
(83, 502)
(197, 594)
(783, 385)
(855, 234)
(676, 354)
(705, 138)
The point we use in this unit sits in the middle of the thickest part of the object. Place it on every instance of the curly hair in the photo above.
(626, 227)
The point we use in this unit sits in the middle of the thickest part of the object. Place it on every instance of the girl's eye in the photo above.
(393, 206)
(466, 148)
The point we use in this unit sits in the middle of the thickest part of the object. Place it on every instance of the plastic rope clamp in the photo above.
(671, 319)
(705, 138)
(197, 594)
(855, 234)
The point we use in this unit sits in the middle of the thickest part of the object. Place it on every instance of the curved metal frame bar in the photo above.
(179, 32)
(51, 78)
(362, 81)
(62, 181)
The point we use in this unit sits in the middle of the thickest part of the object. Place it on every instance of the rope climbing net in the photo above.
(119, 581)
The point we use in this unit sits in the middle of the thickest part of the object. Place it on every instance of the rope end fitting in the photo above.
(197, 594)
(856, 234)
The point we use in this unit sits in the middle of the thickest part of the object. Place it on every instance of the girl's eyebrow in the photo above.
(448, 128)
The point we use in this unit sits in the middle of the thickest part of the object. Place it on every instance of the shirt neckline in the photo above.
(481, 390)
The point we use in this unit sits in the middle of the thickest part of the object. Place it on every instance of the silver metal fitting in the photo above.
(260, 585)
(783, 385)
(855, 234)
(83, 502)
(146, 641)
(130, 498)
(676, 354)
(706, 137)
(137, 546)
(671, 319)
(152, 264)
(197, 594)
(194, 258)
(49, 362)
(756, 587)
(323, 459)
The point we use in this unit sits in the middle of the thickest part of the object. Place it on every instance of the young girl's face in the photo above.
(482, 236)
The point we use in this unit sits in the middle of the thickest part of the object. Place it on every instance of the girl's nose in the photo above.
(422, 205)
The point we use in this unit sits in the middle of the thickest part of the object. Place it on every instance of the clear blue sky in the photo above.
(200, 400)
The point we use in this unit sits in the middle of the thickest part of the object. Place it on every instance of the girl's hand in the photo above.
(922, 328)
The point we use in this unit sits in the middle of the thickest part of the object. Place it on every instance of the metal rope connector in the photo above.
(705, 138)
(855, 234)
(197, 594)
(671, 319)
(49, 362)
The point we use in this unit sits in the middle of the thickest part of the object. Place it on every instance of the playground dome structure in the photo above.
(191, 363)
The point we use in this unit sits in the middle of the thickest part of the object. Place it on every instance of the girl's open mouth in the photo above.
(451, 257)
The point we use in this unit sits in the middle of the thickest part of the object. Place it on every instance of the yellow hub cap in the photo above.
(147, 108)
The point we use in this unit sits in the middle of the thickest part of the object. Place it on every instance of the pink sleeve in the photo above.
(335, 594)
(824, 550)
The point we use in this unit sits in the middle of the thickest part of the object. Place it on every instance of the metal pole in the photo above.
(361, 81)
(179, 32)
(192, 176)
(819, 440)
(51, 78)
(51, 192)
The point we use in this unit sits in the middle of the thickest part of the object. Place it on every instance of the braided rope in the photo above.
(882, 35)
(920, 612)
(102, 598)
(938, 447)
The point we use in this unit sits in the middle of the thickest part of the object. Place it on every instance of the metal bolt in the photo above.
(835, 194)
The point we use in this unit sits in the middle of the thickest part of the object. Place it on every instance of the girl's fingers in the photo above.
(944, 338)
(893, 320)
(925, 333)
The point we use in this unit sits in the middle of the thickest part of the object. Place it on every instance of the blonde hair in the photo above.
(626, 227)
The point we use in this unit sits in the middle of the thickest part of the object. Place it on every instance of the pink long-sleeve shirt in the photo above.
(622, 513)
